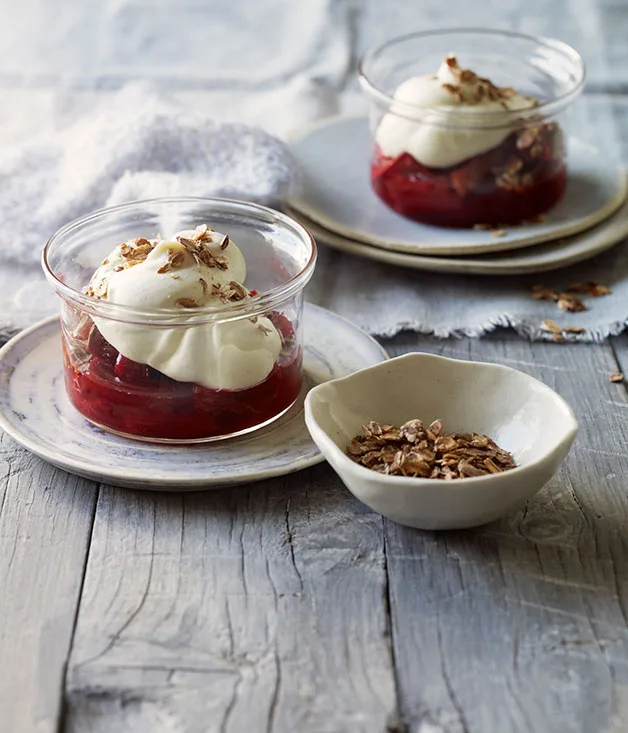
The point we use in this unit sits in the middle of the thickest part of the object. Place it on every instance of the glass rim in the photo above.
(254, 306)
(501, 118)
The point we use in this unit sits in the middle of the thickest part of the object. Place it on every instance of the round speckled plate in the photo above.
(35, 411)
(336, 194)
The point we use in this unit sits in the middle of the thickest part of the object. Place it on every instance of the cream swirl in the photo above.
(426, 121)
(196, 269)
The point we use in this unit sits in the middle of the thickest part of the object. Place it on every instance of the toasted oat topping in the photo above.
(175, 260)
(202, 234)
(616, 377)
(133, 253)
(187, 303)
(136, 250)
(476, 88)
(427, 452)
(230, 293)
(202, 255)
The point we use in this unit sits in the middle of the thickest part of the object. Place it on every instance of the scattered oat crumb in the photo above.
(573, 329)
(552, 327)
(570, 303)
(567, 301)
(541, 292)
(616, 377)
(482, 227)
(597, 289)
(498, 233)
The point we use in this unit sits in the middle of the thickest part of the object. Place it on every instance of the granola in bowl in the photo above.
(427, 452)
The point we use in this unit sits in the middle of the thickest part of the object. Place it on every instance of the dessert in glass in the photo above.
(181, 318)
(469, 126)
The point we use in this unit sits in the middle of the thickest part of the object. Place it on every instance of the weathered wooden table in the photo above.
(287, 605)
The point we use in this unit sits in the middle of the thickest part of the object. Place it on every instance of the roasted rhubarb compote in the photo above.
(477, 140)
(166, 341)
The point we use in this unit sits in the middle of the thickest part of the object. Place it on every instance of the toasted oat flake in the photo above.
(616, 377)
(202, 254)
(570, 303)
(552, 327)
(232, 292)
(526, 139)
(498, 233)
(577, 288)
(176, 258)
(419, 452)
(187, 303)
(573, 329)
(541, 292)
(597, 289)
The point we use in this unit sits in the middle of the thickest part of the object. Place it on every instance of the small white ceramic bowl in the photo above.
(521, 414)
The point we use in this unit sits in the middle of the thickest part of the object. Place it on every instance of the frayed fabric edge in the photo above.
(532, 332)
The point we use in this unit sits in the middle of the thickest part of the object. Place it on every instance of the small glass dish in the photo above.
(516, 169)
(133, 399)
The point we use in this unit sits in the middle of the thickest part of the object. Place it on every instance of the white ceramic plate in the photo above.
(35, 411)
(336, 194)
(540, 258)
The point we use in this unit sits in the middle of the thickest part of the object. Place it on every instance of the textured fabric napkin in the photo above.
(136, 146)
(385, 299)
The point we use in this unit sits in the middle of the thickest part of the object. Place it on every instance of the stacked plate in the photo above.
(338, 207)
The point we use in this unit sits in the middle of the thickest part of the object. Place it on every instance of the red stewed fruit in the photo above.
(480, 190)
(137, 400)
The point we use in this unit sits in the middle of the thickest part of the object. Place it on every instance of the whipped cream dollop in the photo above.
(195, 269)
(436, 102)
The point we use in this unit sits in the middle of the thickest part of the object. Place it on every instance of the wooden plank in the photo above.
(45, 525)
(259, 608)
(522, 625)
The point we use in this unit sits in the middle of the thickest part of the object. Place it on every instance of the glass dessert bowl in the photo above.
(162, 340)
(469, 125)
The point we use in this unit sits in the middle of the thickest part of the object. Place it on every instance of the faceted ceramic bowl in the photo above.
(521, 414)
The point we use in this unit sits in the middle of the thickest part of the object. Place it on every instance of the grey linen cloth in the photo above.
(386, 299)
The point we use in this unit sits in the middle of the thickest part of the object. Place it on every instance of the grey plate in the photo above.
(540, 258)
(35, 411)
(336, 193)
